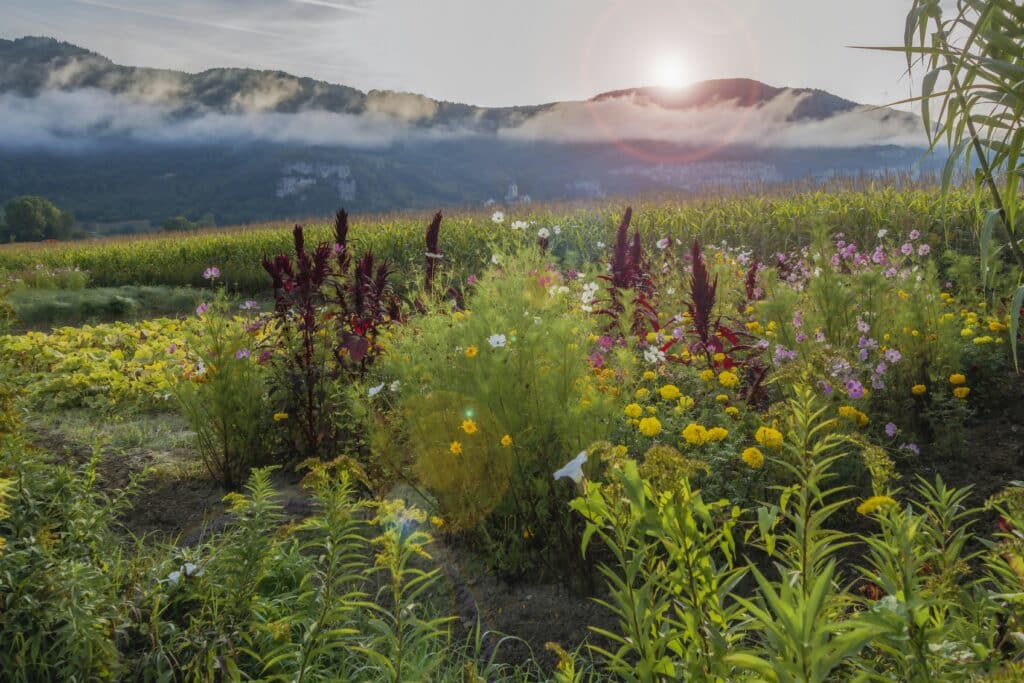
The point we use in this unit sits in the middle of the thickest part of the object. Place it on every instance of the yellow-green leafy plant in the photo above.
(670, 579)
(492, 401)
(222, 391)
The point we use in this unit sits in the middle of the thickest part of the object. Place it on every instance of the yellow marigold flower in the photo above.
(967, 332)
(707, 375)
(455, 448)
(633, 410)
(983, 340)
(278, 417)
(471, 351)
(718, 434)
(753, 457)
(718, 357)
(506, 441)
(3, 544)
(768, 437)
(918, 389)
(649, 374)
(686, 402)
(650, 426)
(996, 326)
(873, 503)
(469, 426)
(722, 398)
(728, 379)
(437, 521)
(642, 392)
(670, 392)
(621, 451)
(651, 337)
(961, 392)
(732, 411)
(957, 379)
(695, 434)
(527, 534)
(754, 327)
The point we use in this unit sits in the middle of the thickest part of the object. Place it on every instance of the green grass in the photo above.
(40, 308)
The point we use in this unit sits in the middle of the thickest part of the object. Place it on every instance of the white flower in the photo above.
(519, 225)
(433, 256)
(663, 243)
(557, 229)
(496, 341)
(573, 469)
(394, 385)
(882, 233)
(543, 233)
(654, 355)
(495, 259)
(187, 570)
(376, 390)
(498, 217)
(600, 245)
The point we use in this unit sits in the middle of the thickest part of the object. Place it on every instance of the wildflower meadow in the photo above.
(751, 438)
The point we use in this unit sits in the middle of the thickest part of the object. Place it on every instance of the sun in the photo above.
(669, 71)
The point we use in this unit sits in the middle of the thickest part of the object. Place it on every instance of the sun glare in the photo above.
(670, 72)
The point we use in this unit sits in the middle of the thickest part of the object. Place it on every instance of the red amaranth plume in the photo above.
(433, 254)
(702, 296)
(621, 274)
(341, 239)
(751, 281)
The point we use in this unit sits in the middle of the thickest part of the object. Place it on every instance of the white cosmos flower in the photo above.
(496, 341)
(654, 355)
(573, 469)
(543, 233)
(495, 259)
(188, 569)
(376, 390)
(882, 233)
(498, 217)
(600, 245)
(519, 225)
(394, 385)
(557, 229)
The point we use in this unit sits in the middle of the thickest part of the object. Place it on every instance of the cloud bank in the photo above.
(81, 118)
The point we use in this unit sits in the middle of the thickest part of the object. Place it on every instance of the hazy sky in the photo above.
(495, 53)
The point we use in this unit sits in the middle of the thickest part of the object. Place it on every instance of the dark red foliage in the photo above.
(751, 282)
(433, 254)
(342, 253)
(702, 299)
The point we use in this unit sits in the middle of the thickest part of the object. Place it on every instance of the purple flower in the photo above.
(877, 383)
(826, 388)
(242, 353)
(202, 308)
(596, 359)
(172, 348)
(471, 280)
(854, 389)
(881, 368)
(912, 447)
(924, 250)
(249, 305)
(337, 248)
(211, 273)
(605, 342)
(891, 429)
(893, 355)
(265, 356)
(914, 234)
(819, 336)
(782, 354)
(907, 249)
(879, 257)
(863, 327)
(801, 338)
(663, 243)
(798, 320)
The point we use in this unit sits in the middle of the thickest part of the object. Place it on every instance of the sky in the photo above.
(493, 53)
